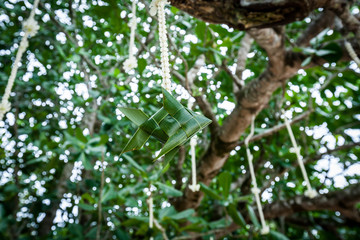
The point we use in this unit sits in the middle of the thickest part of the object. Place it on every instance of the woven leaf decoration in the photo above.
(172, 125)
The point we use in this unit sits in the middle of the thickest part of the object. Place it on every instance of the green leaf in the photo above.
(236, 215)
(181, 215)
(278, 235)
(306, 61)
(86, 207)
(86, 162)
(208, 191)
(169, 191)
(133, 163)
(200, 30)
(79, 135)
(142, 63)
(225, 182)
(253, 217)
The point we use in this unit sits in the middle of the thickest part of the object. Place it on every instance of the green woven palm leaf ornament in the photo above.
(172, 125)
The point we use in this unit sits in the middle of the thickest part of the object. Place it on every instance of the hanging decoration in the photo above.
(173, 124)
(193, 142)
(255, 190)
(151, 211)
(352, 53)
(30, 27)
(131, 62)
(158, 6)
(310, 192)
(194, 186)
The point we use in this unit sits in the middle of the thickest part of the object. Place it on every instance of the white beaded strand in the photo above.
(352, 53)
(158, 6)
(310, 192)
(30, 27)
(194, 186)
(151, 212)
(131, 62)
(255, 190)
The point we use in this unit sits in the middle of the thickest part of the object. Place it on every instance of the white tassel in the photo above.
(194, 186)
(131, 62)
(255, 190)
(158, 6)
(30, 27)
(310, 192)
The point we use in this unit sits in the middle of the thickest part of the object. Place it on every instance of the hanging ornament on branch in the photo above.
(173, 124)
(131, 62)
(30, 27)
(255, 190)
(310, 192)
(158, 6)
(352, 53)
(193, 142)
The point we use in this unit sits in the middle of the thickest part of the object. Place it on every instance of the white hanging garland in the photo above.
(352, 53)
(193, 142)
(255, 190)
(131, 62)
(310, 192)
(30, 27)
(158, 6)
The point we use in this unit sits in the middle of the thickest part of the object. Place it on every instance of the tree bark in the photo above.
(246, 14)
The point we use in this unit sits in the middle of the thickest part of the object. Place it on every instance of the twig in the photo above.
(163, 231)
(277, 128)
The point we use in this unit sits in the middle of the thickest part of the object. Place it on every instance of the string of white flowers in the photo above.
(193, 142)
(131, 62)
(151, 212)
(352, 53)
(310, 192)
(255, 190)
(30, 27)
(158, 6)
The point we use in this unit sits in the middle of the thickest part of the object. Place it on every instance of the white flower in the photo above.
(130, 64)
(311, 193)
(31, 27)
(5, 106)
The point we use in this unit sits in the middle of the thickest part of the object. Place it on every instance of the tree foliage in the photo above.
(62, 175)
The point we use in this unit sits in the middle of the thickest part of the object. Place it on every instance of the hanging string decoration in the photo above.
(30, 27)
(193, 142)
(131, 62)
(158, 6)
(173, 124)
(255, 190)
(310, 192)
(352, 53)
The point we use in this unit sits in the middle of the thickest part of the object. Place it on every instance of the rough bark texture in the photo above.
(245, 14)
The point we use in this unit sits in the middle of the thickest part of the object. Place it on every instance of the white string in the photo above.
(352, 53)
(151, 211)
(131, 62)
(310, 192)
(30, 27)
(255, 190)
(158, 6)
(194, 186)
